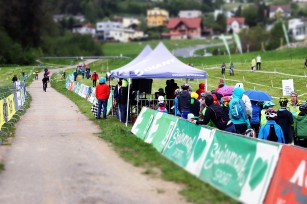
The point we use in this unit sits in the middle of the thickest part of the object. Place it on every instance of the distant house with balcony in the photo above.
(128, 22)
(184, 28)
(115, 31)
(235, 24)
(85, 29)
(283, 11)
(298, 28)
(189, 14)
(157, 17)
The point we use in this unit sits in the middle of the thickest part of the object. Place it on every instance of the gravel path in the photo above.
(56, 158)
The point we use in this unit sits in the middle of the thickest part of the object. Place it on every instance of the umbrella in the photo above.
(226, 90)
(257, 95)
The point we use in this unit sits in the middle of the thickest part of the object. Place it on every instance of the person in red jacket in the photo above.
(201, 89)
(95, 77)
(102, 95)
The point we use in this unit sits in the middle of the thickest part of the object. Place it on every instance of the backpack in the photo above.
(272, 135)
(221, 117)
(236, 110)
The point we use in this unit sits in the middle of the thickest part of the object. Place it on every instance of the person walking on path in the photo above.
(95, 77)
(45, 81)
(102, 95)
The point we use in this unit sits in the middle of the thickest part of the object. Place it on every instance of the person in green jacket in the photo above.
(300, 126)
(294, 104)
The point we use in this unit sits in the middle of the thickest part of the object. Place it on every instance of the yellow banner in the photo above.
(2, 116)
(10, 106)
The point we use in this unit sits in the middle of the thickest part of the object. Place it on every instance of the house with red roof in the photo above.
(282, 10)
(235, 24)
(184, 28)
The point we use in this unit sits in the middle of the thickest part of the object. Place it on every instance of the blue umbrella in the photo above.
(256, 95)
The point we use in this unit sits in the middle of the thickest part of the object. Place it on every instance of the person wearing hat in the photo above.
(123, 101)
(285, 120)
(266, 105)
(161, 107)
(201, 89)
(195, 105)
(271, 130)
(294, 104)
(102, 94)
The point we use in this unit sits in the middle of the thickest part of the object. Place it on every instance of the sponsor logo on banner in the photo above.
(10, 106)
(241, 167)
(160, 130)
(289, 183)
(71, 87)
(143, 122)
(185, 144)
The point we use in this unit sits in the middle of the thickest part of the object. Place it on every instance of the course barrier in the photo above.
(247, 169)
(11, 104)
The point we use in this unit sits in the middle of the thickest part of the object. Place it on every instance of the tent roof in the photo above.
(160, 63)
(146, 51)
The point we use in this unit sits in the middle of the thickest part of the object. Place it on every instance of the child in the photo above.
(271, 130)
(161, 107)
(285, 120)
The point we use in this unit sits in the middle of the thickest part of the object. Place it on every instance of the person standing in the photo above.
(231, 69)
(102, 94)
(258, 62)
(95, 77)
(195, 105)
(184, 101)
(123, 101)
(223, 68)
(201, 89)
(271, 130)
(294, 104)
(116, 98)
(285, 120)
(253, 64)
(45, 81)
(14, 79)
(36, 75)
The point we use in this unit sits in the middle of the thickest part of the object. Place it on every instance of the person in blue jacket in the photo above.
(271, 130)
(256, 114)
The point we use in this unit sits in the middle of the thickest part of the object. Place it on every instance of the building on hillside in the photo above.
(128, 22)
(276, 11)
(235, 24)
(190, 14)
(298, 28)
(84, 29)
(115, 31)
(157, 17)
(184, 28)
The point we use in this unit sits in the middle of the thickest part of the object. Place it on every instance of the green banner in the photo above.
(182, 143)
(240, 167)
(160, 130)
(143, 122)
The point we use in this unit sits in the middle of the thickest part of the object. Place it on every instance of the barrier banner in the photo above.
(10, 106)
(188, 146)
(143, 122)
(289, 183)
(22, 95)
(82, 90)
(24, 88)
(71, 86)
(239, 166)
(77, 87)
(110, 101)
(92, 96)
(2, 115)
(160, 130)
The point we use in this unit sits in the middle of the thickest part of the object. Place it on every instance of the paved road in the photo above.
(57, 158)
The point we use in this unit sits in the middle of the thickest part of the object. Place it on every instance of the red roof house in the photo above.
(183, 28)
(235, 24)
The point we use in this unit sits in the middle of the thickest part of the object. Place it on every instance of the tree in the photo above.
(276, 38)
(252, 39)
(250, 15)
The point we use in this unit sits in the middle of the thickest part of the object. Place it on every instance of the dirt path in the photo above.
(56, 158)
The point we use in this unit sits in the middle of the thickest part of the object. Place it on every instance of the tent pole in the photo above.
(206, 84)
(128, 101)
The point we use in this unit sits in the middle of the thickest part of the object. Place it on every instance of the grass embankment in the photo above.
(144, 155)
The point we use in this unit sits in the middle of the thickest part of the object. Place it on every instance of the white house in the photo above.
(85, 29)
(235, 24)
(189, 14)
(298, 28)
(109, 30)
(227, 14)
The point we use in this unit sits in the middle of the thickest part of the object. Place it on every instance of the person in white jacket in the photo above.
(246, 101)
